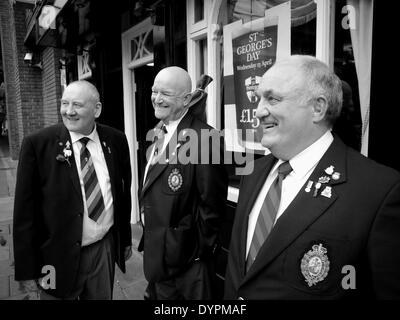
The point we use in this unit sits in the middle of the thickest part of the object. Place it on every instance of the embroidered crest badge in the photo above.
(175, 180)
(315, 265)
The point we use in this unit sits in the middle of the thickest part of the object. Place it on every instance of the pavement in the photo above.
(128, 286)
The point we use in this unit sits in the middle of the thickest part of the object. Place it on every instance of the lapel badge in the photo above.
(309, 185)
(324, 179)
(316, 188)
(105, 146)
(336, 176)
(176, 149)
(329, 170)
(67, 144)
(315, 265)
(327, 192)
(175, 180)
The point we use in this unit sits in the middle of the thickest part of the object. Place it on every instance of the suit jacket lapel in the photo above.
(158, 168)
(62, 137)
(303, 210)
(262, 168)
(107, 147)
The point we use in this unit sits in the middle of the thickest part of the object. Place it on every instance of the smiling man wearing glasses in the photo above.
(181, 203)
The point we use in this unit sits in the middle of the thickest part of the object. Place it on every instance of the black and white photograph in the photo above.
(198, 156)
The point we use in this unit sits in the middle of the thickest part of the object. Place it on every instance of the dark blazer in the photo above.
(182, 224)
(48, 208)
(358, 225)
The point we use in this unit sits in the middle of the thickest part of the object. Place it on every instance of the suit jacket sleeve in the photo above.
(26, 224)
(384, 247)
(212, 185)
(126, 234)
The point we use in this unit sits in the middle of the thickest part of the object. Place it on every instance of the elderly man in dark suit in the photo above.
(182, 199)
(316, 219)
(72, 202)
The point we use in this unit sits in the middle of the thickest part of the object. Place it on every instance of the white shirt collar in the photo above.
(75, 136)
(173, 124)
(307, 159)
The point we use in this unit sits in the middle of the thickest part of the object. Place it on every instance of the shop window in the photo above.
(142, 45)
(303, 29)
(303, 38)
(198, 10)
(202, 57)
(350, 39)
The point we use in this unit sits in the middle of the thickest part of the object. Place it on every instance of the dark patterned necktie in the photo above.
(94, 198)
(266, 217)
(158, 143)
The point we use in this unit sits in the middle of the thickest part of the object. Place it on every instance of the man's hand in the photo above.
(29, 285)
(128, 252)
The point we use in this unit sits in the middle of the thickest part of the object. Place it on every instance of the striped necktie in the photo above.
(158, 143)
(94, 198)
(266, 217)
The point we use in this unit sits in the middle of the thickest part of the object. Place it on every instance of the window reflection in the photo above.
(303, 34)
(349, 124)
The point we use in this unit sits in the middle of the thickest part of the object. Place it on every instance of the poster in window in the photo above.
(250, 49)
(253, 54)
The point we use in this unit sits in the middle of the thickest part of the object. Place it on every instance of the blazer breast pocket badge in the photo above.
(315, 265)
(175, 180)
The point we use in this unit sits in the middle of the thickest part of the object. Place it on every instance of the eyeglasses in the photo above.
(165, 95)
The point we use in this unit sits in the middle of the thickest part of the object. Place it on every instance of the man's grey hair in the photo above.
(319, 80)
(92, 89)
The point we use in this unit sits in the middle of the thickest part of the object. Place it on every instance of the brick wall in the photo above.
(7, 32)
(51, 86)
(31, 93)
(28, 79)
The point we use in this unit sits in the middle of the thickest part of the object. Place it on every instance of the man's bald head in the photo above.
(178, 78)
(90, 89)
(171, 93)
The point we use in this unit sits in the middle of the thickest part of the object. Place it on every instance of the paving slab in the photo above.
(134, 271)
(136, 290)
(6, 209)
(4, 287)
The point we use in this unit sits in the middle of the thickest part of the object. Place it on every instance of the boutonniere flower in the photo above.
(67, 153)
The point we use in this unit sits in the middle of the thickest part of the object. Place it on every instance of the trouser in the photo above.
(95, 278)
(193, 284)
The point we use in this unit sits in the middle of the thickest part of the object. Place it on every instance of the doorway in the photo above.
(138, 75)
(145, 119)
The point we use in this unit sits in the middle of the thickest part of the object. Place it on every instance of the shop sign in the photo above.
(47, 17)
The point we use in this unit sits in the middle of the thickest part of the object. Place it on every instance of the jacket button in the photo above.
(78, 243)
(80, 214)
